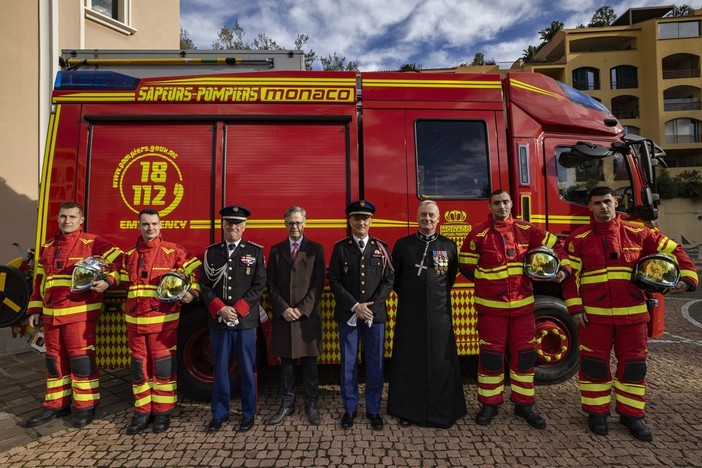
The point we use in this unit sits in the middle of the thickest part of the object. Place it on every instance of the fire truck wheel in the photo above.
(557, 341)
(195, 367)
(14, 295)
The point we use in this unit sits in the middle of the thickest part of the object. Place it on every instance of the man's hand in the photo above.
(363, 311)
(682, 286)
(291, 314)
(34, 320)
(99, 286)
(560, 276)
(580, 319)
(186, 297)
(228, 313)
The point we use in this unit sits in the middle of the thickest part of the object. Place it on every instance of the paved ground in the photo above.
(674, 415)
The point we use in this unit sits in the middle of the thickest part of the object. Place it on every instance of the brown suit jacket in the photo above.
(297, 284)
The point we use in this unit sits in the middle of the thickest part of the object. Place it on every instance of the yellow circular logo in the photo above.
(148, 177)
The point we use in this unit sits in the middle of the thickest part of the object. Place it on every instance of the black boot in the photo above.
(485, 415)
(46, 415)
(597, 423)
(637, 428)
(532, 417)
(139, 422)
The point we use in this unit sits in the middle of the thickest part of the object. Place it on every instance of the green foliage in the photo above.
(337, 63)
(410, 67)
(665, 186)
(604, 16)
(185, 42)
(479, 59)
(683, 10)
(689, 185)
(549, 33)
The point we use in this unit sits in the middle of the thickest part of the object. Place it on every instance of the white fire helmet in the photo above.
(541, 264)
(86, 272)
(656, 273)
(172, 286)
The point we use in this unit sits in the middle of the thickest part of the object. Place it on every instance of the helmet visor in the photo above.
(541, 264)
(172, 286)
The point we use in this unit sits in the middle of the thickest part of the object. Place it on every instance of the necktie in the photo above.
(231, 247)
(361, 245)
(294, 250)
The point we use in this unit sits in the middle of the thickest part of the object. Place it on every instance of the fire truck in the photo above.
(187, 136)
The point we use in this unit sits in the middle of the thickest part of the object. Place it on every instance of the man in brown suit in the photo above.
(295, 284)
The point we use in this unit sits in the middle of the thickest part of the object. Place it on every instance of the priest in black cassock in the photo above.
(425, 385)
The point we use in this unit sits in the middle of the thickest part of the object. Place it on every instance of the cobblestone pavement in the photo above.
(673, 408)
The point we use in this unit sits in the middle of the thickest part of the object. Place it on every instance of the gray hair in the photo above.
(428, 202)
(295, 209)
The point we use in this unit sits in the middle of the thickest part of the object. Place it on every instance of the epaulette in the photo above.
(254, 244)
(345, 239)
(379, 240)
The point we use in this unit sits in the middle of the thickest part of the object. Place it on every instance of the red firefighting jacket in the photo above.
(493, 254)
(52, 294)
(142, 270)
(603, 257)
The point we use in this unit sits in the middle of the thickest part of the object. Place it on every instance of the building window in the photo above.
(683, 131)
(681, 98)
(623, 77)
(681, 66)
(452, 159)
(114, 14)
(678, 30)
(586, 79)
(625, 107)
(631, 129)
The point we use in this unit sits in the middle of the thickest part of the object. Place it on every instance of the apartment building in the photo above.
(33, 33)
(645, 67)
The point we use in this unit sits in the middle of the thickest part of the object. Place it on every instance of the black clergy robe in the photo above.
(425, 385)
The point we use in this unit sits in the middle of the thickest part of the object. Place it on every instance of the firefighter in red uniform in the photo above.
(70, 316)
(152, 312)
(492, 256)
(611, 310)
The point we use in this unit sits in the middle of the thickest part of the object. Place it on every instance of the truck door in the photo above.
(164, 166)
(269, 166)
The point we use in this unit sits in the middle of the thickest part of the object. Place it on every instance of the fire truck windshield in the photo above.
(583, 99)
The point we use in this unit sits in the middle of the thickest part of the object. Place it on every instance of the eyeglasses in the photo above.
(294, 223)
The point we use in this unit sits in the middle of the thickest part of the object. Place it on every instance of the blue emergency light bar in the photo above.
(94, 80)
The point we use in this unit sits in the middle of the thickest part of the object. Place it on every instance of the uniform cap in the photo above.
(360, 208)
(234, 213)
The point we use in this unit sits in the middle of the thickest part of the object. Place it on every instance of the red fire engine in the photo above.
(188, 143)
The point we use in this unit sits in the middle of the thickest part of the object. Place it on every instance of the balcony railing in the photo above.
(673, 105)
(586, 85)
(683, 138)
(625, 113)
(686, 73)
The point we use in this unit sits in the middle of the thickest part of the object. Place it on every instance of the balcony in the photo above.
(672, 105)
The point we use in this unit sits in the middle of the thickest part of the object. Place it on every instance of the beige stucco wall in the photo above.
(681, 217)
(32, 34)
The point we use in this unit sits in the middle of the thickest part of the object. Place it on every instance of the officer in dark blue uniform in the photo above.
(232, 281)
(361, 277)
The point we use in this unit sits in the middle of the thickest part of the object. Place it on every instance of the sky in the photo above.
(385, 34)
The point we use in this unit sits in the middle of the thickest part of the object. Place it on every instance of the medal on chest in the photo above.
(441, 261)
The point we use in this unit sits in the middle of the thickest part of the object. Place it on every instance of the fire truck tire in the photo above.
(557, 330)
(15, 290)
(195, 368)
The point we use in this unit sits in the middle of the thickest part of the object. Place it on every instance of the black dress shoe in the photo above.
(637, 428)
(46, 415)
(405, 422)
(278, 417)
(375, 420)
(313, 416)
(83, 418)
(216, 424)
(245, 424)
(485, 415)
(597, 423)
(139, 422)
(347, 420)
(161, 423)
(532, 417)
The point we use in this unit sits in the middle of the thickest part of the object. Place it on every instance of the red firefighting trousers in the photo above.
(154, 371)
(630, 349)
(496, 332)
(73, 376)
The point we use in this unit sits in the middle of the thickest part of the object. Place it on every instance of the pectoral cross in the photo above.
(420, 267)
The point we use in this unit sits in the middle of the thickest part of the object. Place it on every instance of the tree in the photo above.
(230, 38)
(683, 10)
(185, 42)
(410, 67)
(336, 63)
(529, 53)
(548, 33)
(310, 55)
(688, 184)
(604, 16)
(479, 59)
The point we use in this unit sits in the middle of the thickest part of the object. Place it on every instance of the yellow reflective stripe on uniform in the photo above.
(86, 384)
(152, 320)
(72, 310)
(626, 276)
(595, 387)
(549, 240)
(58, 395)
(111, 254)
(503, 304)
(523, 391)
(503, 272)
(637, 309)
(467, 258)
(86, 396)
(634, 389)
(56, 383)
(165, 386)
(35, 305)
(525, 378)
(603, 400)
(576, 301)
(139, 388)
(53, 283)
(630, 402)
(689, 274)
(164, 398)
(491, 379)
(139, 402)
(191, 265)
(490, 393)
